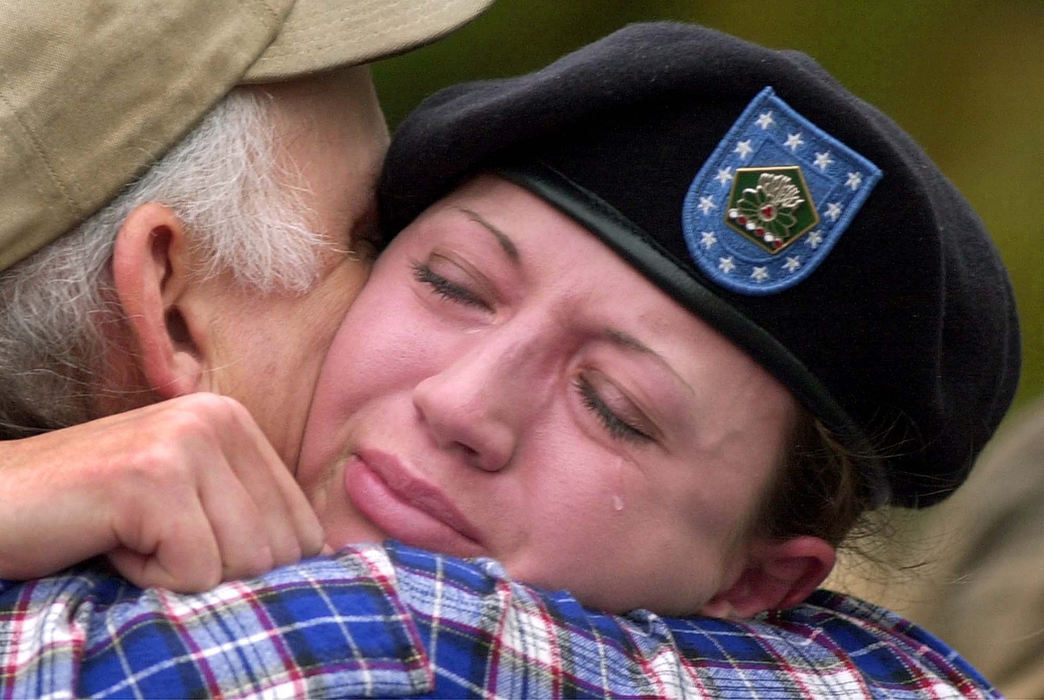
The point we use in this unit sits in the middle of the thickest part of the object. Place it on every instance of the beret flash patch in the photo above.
(772, 200)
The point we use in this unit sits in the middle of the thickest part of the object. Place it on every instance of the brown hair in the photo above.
(820, 489)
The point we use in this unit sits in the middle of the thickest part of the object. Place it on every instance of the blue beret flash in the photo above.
(773, 199)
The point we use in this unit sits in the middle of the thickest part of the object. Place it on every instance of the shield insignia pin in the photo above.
(771, 206)
(773, 199)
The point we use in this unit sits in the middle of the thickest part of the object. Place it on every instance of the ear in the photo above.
(778, 574)
(150, 269)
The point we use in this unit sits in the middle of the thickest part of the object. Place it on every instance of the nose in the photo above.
(479, 401)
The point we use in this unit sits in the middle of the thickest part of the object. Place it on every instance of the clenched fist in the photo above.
(180, 495)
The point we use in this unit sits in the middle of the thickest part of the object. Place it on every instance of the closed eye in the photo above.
(617, 427)
(442, 287)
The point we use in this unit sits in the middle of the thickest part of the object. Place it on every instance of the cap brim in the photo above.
(319, 35)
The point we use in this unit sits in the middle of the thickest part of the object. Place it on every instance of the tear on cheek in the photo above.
(616, 482)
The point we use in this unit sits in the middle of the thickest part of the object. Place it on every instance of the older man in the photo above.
(232, 258)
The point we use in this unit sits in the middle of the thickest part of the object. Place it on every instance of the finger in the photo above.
(186, 512)
(292, 526)
(228, 457)
(244, 539)
(180, 553)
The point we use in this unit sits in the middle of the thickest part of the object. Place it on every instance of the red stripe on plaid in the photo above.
(286, 657)
(213, 687)
(17, 617)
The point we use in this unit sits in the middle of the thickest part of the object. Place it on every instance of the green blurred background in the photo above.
(965, 78)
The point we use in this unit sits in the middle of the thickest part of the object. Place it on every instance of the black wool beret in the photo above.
(797, 219)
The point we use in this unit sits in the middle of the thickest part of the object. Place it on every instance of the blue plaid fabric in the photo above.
(396, 621)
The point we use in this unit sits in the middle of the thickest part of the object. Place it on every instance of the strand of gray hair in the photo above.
(245, 214)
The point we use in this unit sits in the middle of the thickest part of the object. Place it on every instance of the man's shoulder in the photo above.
(395, 620)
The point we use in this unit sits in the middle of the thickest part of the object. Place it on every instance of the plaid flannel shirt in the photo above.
(397, 621)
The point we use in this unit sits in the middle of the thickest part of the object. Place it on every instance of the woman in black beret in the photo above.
(690, 307)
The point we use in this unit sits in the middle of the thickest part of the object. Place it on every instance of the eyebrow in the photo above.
(625, 340)
(629, 341)
(502, 238)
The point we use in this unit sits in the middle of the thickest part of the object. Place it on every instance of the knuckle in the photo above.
(158, 461)
(258, 562)
(219, 403)
(220, 412)
(185, 421)
(154, 469)
(201, 421)
(208, 405)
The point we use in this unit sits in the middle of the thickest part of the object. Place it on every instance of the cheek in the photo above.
(587, 506)
(380, 339)
(607, 533)
(652, 535)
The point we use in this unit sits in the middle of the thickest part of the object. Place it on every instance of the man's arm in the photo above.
(180, 494)
(393, 621)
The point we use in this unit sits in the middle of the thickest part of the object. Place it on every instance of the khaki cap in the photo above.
(92, 92)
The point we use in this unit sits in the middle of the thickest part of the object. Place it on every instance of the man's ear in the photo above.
(778, 574)
(150, 269)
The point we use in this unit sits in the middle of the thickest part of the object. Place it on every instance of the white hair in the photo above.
(245, 213)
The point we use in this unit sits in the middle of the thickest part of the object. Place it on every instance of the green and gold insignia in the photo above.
(772, 206)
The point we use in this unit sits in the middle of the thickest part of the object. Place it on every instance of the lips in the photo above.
(407, 507)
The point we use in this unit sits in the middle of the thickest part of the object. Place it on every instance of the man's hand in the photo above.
(181, 495)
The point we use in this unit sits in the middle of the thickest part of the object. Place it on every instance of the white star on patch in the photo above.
(708, 239)
(794, 141)
(724, 175)
(760, 274)
(707, 204)
(854, 181)
(833, 210)
(792, 264)
(823, 160)
(814, 239)
(726, 265)
(765, 120)
(744, 149)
